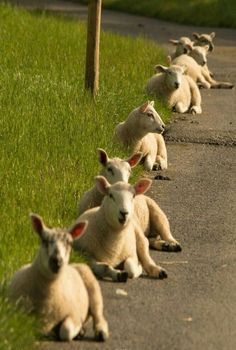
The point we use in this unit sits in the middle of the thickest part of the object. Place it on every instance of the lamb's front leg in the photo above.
(132, 267)
(180, 107)
(68, 330)
(148, 264)
(95, 302)
(161, 157)
(103, 270)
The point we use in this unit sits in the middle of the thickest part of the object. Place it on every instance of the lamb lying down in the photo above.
(63, 296)
(114, 240)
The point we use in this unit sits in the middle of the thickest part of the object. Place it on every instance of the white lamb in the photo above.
(204, 39)
(183, 45)
(142, 132)
(151, 218)
(114, 170)
(180, 91)
(62, 295)
(196, 70)
(199, 54)
(114, 238)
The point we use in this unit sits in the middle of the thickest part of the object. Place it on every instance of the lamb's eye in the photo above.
(111, 196)
(110, 170)
(149, 114)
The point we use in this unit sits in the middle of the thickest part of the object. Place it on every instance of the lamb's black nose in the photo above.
(55, 263)
(176, 85)
(123, 213)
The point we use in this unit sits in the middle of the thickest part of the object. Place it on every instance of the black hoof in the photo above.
(165, 247)
(156, 167)
(100, 336)
(122, 276)
(162, 274)
(178, 248)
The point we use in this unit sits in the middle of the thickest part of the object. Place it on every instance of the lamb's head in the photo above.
(55, 248)
(204, 39)
(173, 75)
(183, 45)
(118, 202)
(147, 119)
(199, 54)
(116, 169)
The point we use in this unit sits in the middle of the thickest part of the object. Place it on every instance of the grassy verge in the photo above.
(50, 129)
(212, 13)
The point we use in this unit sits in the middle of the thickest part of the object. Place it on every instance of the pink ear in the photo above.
(37, 223)
(143, 108)
(135, 159)
(102, 184)
(102, 156)
(142, 186)
(78, 229)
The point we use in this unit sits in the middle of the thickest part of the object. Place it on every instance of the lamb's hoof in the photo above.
(171, 247)
(162, 274)
(101, 336)
(156, 167)
(122, 276)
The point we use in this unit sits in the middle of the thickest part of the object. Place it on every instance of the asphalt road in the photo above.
(195, 308)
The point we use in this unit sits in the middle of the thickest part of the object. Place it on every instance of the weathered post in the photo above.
(93, 41)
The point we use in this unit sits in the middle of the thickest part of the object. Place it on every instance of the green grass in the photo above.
(50, 129)
(213, 13)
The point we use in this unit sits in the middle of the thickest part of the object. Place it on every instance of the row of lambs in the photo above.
(117, 224)
(179, 83)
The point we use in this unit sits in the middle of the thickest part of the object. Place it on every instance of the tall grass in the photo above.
(50, 127)
(212, 13)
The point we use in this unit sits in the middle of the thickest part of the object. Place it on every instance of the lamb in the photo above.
(197, 71)
(114, 170)
(113, 238)
(180, 91)
(183, 45)
(204, 39)
(62, 295)
(149, 215)
(142, 132)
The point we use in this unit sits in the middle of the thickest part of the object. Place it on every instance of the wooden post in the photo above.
(93, 41)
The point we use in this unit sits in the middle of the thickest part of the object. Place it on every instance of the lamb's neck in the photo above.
(133, 133)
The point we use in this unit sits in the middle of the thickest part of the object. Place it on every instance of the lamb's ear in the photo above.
(160, 68)
(196, 35)
(78, 229)
(143, 108)
(142, 186)
(102, 184)
(189, 47)
(169, 60)
(174, 42)
(184, 68)
(134, 159)
(102, 156)
(212, 35)
(37, 223)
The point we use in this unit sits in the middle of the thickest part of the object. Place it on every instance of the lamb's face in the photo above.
(204, 39)
(119, 204)
(55, 249)
(148, 119)
(183, 45)
(199, 53)
(116, 170)
(173, 77)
